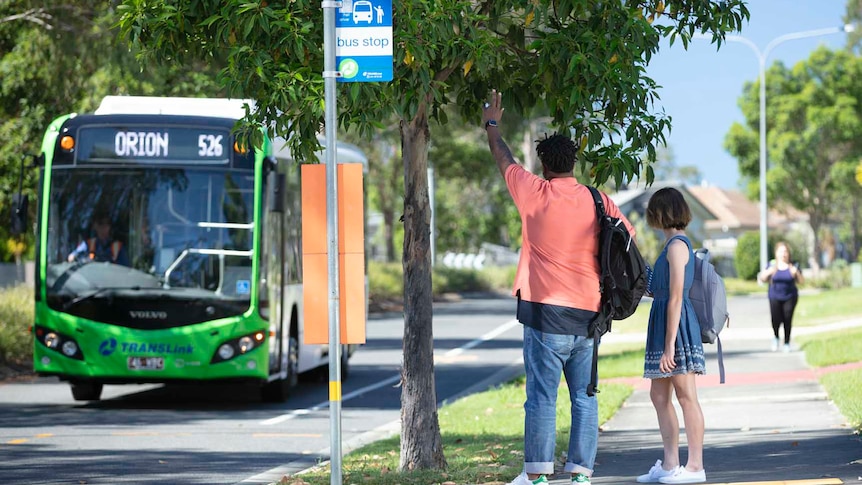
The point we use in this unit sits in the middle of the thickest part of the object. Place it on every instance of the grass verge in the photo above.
(482, 433)
(827, 306)
(16, 340)
(843, 389)
(834, 348)
(736, 286)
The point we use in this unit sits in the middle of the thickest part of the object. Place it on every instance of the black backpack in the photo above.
(622, 279)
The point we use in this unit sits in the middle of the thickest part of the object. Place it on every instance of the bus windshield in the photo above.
(161, 230)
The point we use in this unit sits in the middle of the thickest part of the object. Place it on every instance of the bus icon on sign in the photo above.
(362, 11)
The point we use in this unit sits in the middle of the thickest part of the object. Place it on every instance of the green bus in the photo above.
(198, 275)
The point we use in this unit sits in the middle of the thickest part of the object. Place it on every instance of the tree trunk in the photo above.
(814, 222)
(421, 444)
(389, 234)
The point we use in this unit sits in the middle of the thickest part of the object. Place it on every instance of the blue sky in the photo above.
(701, 86)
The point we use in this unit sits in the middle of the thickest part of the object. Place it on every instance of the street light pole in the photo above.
(761, 57)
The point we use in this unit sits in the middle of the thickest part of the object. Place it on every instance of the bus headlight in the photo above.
(70, 348)
(58, 342)
(245, 344)
(51, 340)
(238, 346)
(225, 351)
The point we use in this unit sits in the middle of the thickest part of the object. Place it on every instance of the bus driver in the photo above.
(102, 247)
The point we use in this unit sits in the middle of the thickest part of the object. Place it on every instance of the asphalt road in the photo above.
(153, 434)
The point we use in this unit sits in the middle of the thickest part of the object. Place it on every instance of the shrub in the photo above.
(746, 259)
(837, 275)
(453, 280)
(386, 283)
(16, 318)
(499, 278)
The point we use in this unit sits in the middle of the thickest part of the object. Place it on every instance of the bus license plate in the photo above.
(146, 363)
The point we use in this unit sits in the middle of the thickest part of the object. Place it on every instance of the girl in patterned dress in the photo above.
(674, 352)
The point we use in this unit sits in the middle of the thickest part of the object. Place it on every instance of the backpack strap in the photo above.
(720, 360)
(597, 199)
(704, 273)
(592, 387)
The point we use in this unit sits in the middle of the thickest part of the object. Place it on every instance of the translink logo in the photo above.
(155, 348)
(108, 346)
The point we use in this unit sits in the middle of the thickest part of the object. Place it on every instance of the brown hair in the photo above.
(786, 246)
(667, 209)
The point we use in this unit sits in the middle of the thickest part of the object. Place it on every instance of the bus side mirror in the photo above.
(276, 201)
(20, 203)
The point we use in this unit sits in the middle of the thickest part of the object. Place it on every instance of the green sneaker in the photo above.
(580, 479)
(523, 480)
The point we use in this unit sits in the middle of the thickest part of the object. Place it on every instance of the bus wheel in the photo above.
(345, 363)
(86, 391)
(293, 362)
(279, 389)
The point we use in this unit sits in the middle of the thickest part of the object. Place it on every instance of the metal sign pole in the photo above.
(330, 120)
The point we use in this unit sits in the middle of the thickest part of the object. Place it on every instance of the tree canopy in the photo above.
(584, 59)
(814, 115)
(63, 57)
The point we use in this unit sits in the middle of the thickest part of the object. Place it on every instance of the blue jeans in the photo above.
(546, 356)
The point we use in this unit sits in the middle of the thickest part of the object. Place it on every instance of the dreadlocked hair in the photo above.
(557, 153)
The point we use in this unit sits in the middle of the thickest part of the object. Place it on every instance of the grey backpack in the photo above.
(709, 298)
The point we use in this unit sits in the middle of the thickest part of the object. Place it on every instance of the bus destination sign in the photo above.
(150, 144)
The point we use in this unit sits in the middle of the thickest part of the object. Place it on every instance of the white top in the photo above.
(217, 107)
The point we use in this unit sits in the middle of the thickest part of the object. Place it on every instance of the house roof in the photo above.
(623, 197)
(727, 209)
(638, 196)
(732, 209)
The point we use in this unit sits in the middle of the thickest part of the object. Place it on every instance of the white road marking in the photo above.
(394, 379)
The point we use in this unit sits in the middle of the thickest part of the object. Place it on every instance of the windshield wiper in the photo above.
(95, 293)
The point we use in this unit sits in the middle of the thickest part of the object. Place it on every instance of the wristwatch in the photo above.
(490, 123)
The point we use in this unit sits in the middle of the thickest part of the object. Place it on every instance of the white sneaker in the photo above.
(523, 480)
(775, 345)
(785, 348)
(655, 474)
(681, 475)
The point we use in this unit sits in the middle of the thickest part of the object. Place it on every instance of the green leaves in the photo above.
(584, 60)
(814, 115)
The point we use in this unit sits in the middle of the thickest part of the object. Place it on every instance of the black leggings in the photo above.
(782, 312)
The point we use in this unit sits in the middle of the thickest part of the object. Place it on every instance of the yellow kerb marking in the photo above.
(334, 391)
(17, 441)
(44, 435)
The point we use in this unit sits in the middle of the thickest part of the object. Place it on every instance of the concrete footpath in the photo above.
(770, 422)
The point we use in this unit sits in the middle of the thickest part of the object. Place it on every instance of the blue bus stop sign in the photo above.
(363, 35)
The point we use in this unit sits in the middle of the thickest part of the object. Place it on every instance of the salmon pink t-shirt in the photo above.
(559, 254)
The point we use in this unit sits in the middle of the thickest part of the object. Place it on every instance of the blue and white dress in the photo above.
(689, 348)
